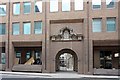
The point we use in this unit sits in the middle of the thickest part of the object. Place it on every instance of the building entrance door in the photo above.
(66, 60)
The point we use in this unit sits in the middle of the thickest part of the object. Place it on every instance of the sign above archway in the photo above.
(66, 34)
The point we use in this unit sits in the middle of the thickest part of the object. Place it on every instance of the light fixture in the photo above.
(116, 55)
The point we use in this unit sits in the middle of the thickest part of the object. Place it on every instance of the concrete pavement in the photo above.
(54, 75)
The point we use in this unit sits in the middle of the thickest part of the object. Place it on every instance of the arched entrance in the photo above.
(66, 60)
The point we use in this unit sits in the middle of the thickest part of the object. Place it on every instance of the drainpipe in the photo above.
(8, 35)
(88, 32)
(45, 34)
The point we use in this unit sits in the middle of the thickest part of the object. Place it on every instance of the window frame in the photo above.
(57, 10)
(104, 59)
(97, 8)
(28, 53)
(4, 28)
(19, 9)
(68, 10)
(35, 5)
(115, 24)
(3, 58)
(41, 27)
(101, 25)
(79, 9)
(13, 30)
(6, 10)
(110, 7)
(30, 27)
(24, 8)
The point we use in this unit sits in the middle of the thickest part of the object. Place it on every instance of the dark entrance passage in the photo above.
(66, 60)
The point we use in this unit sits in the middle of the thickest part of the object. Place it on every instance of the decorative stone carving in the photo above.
(66, 34)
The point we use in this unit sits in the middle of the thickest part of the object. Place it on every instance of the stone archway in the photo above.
(70, 52)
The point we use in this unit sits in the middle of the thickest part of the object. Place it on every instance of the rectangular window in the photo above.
(16, 8)
(78, 4)
(18, 55)
(111, 24)
(96, 25)
(53, 5)
(106, 59)
(27, 7)
(2, 28)
(27, 28)
(3, 58)
(38, 6)
(37, 27)
(65, 5)
(110, 3)
(16, 28)
(2, 9)
(96, 4)
(28, 55)
(37, 54)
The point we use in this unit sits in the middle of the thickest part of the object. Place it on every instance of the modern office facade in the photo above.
(34, 34)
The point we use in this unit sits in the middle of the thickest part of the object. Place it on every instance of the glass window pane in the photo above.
(16, 8)
(78, 4)
(37, 54)
(65, 5)
(18, 55)
(2, 28)
(3, 58)
(38, 27)
(16, 29)
(27, 7)
(37, 58)
(28, 55)
(96, 4)
(27, 28)
(38, 6)
(111, 24)
(2, 10)
(96, 25)
(53, 5)
(110, 3)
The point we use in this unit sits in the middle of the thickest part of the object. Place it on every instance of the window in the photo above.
(27, 7)
(16, 28)
(110, 3)
(65, 5)
(111, 24)
(16, 8)
(38, 6)
(78, 4)
(3, 58)
(27, 28)
(37, 58)
(96, 4)
(37, 27)
(28, 55)
(18, 55)
(2, 9)
(106, 59)
(96, 25)
(53, 5)
(37, 54)
(2, 28)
